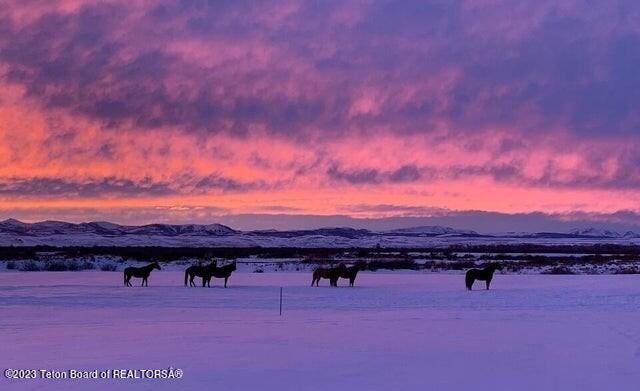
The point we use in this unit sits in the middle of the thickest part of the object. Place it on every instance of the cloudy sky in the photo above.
(138, 111)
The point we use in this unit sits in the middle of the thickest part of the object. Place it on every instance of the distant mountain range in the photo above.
(105, 228)
(14, 232)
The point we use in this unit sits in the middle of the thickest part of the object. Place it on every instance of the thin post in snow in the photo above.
(280, 301)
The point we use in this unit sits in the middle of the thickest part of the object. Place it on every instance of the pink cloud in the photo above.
(316, 106)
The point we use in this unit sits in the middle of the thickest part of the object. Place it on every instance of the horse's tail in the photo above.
(186, 277)
(468, 280)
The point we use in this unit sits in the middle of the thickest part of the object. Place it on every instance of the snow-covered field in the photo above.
(393, 331)
(387, 240)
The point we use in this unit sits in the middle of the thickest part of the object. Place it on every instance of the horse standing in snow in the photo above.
(221, 272)
(350, 273)
(199, 271)
(139, 272)
(485, 274)
(332, 274)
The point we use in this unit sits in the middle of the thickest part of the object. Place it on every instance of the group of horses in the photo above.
(334, 273)
(341, 271)
(205, 272)
(211, 270)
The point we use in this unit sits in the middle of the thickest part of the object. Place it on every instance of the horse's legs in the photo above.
(488, 283)
(469, 280)
(225, 281)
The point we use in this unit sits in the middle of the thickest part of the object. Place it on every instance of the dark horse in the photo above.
(331, 273)
(350, 273)
(485, 274)
(220, 272)
(139, 272)
(199, 271)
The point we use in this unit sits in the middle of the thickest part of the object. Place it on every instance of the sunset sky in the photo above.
(175, 111)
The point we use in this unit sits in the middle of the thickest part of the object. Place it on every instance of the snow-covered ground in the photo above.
(393, 331)
(386, 240)
(251, 264)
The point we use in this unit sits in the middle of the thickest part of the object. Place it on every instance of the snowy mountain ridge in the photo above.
(59, 233)
(110, 229)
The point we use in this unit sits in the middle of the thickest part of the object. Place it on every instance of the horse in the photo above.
(485, 274)
(350, 273)
(220, 272)
(332, 274)
(199, 271)
(139, 272)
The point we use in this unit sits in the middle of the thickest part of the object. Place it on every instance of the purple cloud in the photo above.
(305, 70)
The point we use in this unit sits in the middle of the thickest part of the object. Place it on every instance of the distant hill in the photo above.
(433, 230)
(103, 233)
(110, 229)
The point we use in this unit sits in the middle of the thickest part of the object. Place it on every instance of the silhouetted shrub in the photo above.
(71, 266)
(558, 270)
(627, 270)
(11, 265)
(86, 265)
(30, 266)
(53, 266)
(108, 267)
(461, 265)
(391, 265)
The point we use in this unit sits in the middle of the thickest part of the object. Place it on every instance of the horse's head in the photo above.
(156, 265)
(232, 266)
(341, 266)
